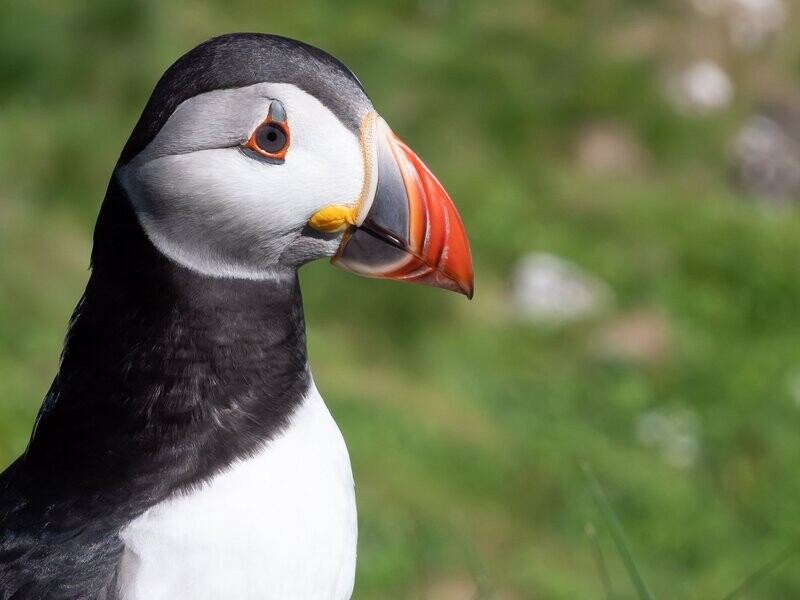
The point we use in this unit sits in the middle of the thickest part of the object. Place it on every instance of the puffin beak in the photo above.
(405, 226)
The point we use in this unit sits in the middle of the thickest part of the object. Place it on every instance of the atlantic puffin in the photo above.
(183, 450)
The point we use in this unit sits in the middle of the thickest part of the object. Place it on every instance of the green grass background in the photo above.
(467, 427)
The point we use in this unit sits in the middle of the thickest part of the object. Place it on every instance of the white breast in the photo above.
(280, 525)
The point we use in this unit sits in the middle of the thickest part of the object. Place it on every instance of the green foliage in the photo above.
(467, 426)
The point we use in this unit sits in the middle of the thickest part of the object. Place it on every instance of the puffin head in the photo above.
(256, 154)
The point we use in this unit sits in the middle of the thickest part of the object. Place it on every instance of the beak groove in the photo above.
(411, 230)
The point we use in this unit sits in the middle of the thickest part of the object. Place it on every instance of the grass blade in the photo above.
(765, 570)
(600, 560)
(484, 588)
(616, 533)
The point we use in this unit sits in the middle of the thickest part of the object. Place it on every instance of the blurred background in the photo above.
(629, 175)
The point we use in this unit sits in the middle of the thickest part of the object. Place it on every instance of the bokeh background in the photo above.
(629, 174)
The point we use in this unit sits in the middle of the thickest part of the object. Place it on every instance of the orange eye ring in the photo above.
(271, 138)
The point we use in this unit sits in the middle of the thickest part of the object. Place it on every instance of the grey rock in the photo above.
(767, 153)
(550, 289)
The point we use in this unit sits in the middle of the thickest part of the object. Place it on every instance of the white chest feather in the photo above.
(278, 526)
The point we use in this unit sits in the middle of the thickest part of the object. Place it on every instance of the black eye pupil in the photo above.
(270, 138)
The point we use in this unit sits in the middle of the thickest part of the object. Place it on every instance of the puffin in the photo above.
(183, 450)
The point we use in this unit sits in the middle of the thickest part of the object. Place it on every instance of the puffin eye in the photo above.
(270, 138)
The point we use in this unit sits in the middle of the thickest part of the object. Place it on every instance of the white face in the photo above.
(225, 211)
